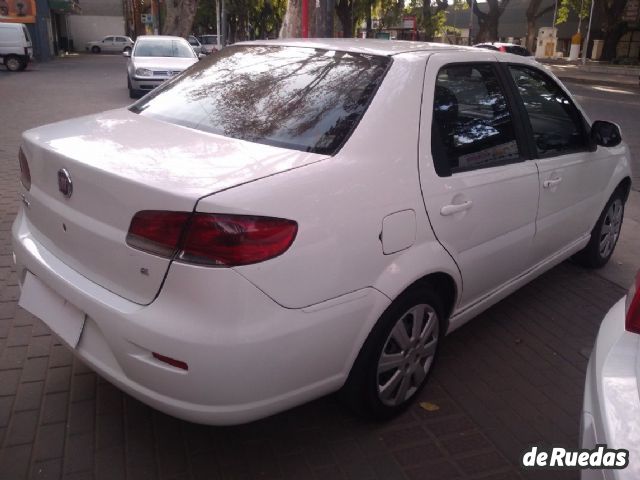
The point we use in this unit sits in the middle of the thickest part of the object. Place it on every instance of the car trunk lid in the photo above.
(120, 163)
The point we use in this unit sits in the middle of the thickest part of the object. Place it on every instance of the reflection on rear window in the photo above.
(300, 98)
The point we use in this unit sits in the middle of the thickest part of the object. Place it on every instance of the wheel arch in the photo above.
(625, 187)
(426, 266)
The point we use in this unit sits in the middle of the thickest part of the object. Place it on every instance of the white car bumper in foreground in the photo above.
(247, 356)
(611, 411)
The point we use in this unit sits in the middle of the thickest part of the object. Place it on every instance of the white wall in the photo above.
(88, 28)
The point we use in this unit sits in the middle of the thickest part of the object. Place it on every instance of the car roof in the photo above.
(146, 38)
(361, 45)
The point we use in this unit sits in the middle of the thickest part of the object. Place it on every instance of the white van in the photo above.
(16, 49)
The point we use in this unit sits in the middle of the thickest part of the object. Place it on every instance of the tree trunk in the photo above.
(611, 39)
(488, 21)
(344, 9)
(292, 23)
(612, 27)
(179, 17)
(488, 28)
(369, 22)
(533, 15)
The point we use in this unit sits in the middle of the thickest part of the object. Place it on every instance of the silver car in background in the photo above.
(154, 59)
(611, 410)
(111, 43)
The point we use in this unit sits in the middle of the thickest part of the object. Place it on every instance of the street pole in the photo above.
(470, 21)
(586, 43)
(154, 16)
(218, 15)
(223, 22)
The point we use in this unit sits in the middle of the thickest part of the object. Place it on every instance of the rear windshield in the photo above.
(300, 98)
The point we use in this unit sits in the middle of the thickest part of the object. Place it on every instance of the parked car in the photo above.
(209, 43)
(611, 411)
(505, 47)
(293, 218)
(112, 43)
(195, 44)
(155, 59)
(16, 49)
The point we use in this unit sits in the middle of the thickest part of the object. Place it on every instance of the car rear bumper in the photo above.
(611, 409)
(247, 356)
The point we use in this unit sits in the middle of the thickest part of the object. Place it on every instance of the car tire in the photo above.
(132, 93)
(14, 63)
(605, 234)
(392, 368)
(127, 49)
(95, 49)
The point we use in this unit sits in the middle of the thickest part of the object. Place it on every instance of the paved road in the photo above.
(512, 377)
(618, 104)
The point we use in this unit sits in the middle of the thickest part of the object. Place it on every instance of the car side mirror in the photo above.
(606, 134)
(126, 53)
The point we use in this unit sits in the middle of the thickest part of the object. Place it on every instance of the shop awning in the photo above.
(65, 6)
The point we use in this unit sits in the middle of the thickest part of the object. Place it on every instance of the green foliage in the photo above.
(580, 7)
(247, 18)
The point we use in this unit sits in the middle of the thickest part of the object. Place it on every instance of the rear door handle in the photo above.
(551, 183)
(456, 208)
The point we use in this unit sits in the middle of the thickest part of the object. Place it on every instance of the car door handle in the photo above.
(456, 208)
(551, 183)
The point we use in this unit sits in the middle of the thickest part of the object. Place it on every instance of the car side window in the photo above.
(121, 39)
(108, 39)
(557, 124)
(472, 126)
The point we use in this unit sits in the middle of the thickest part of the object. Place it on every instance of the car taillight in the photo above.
(211, 238)
(25, 173)
(632, 319)
(156, 231)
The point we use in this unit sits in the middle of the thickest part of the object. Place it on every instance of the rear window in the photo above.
(300, 98)
(26, 34)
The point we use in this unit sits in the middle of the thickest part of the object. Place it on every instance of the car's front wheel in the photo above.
(605, 233)
(127, 49)
(396, 359)
(95, 49)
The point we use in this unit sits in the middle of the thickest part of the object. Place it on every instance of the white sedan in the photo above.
(611, 412)
(290, 218)
(155, 59)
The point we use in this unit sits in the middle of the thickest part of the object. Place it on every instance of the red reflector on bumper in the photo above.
(171, 361)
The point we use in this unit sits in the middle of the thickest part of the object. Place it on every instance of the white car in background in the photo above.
(611, 411)
(295, 217)
(209, 43)
(195, 44)
(154, 59)
(16, 49)
(111, 43)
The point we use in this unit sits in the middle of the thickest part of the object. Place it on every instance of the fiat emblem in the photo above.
(64, 183)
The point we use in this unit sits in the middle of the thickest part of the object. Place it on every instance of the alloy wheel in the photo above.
(407, 355)
(610, 230)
